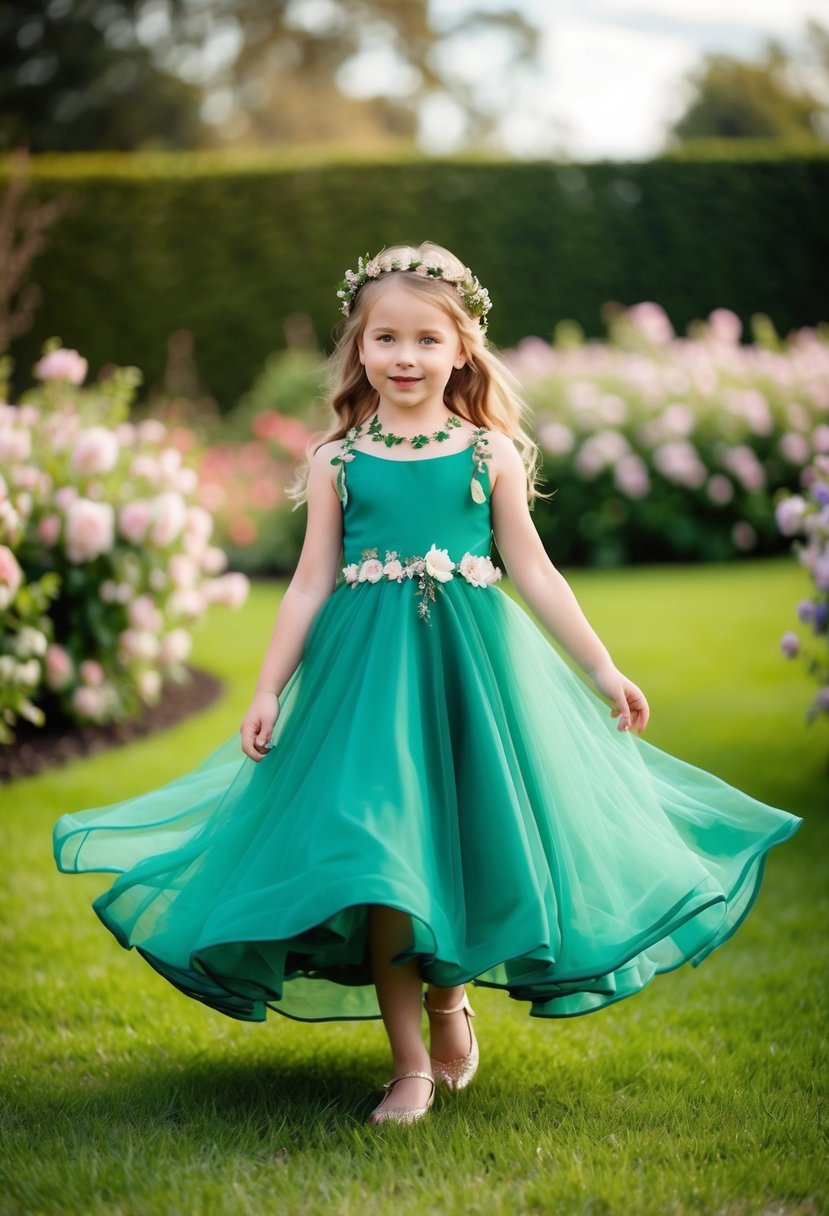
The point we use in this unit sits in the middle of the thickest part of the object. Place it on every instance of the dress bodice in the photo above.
(407, 506)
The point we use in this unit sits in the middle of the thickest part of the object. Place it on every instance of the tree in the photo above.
(779, 96)
(186, 73)
(75, 77)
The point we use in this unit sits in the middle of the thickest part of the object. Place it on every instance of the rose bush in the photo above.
(806, 516)
(661, 447)
(106, 561)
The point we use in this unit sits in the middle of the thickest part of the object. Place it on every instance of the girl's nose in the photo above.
(404, 358)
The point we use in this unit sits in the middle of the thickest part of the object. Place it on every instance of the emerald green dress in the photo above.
(435, 754)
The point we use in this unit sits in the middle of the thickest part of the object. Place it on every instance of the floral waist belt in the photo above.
(434, 568)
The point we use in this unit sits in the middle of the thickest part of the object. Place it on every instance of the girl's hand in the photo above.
(630, 705)
(258, 723)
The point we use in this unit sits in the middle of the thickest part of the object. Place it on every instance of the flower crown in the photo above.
(475, 297)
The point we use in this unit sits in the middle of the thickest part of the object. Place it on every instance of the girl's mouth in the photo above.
(405, 379)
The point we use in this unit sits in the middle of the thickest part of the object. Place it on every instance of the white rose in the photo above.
(439, 564)
(31, 643)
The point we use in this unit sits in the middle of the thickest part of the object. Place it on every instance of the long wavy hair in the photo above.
(483, 391)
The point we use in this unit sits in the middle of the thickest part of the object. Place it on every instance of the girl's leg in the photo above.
(399, 995)
(448, 1034)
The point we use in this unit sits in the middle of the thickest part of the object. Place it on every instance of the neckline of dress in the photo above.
(413, 459)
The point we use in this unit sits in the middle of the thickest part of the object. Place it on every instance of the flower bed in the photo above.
(106, 563)
(660, 447)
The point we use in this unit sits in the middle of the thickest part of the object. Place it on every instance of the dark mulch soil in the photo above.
(38, 748)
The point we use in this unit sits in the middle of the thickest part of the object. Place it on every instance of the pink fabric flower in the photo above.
(371, 570)
(90, 530)
(62, 364)
(351, 573)
(393, 569)
(478, 570)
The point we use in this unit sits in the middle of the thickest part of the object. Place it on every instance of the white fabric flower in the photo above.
(439, 564)
(394, 569)
(351, 573)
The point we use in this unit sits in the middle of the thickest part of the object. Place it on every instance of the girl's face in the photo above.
(409, 348)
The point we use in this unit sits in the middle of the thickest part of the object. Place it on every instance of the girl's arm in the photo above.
(312, 584)
(547, 592)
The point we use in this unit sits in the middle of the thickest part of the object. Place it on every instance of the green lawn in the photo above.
(704, 1094)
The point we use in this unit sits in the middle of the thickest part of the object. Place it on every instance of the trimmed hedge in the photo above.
(229, 247)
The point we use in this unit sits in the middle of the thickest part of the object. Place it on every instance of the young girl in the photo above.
(429, 793)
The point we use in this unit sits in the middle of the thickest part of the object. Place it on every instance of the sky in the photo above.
(612, 70)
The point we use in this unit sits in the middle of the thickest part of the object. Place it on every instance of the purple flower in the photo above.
(821, 702)
(790, 644)
(820, 493)
(806, 611)
(820, 616)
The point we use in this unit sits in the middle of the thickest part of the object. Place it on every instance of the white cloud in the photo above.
(610, 91)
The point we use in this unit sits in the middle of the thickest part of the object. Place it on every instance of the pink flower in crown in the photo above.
(90, 530)
(374, 268)
(371, 571)
(393, 569)
(351, 573)
(62, 365)
(439, 564)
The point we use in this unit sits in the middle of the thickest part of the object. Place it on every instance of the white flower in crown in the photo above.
(351, 573)
(478, 570)
(371, 571)
(439, 564)
(374, 268)
(393, 569)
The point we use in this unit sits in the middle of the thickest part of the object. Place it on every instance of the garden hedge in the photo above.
(230, 247)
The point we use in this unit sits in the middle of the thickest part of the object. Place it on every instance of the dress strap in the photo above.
(480, 455)
(345, 454)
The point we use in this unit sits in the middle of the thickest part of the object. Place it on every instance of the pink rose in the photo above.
(62, 365)
(148, 684)
(64, 497)
(183, 571)
(59, 670)
(187, 602)
(725, 326)
(89, 702)
(134, 520)
(231, 590)
(15, 444)
(169, 515)
(213, 560)
(90, 530)
(175, 647)
(11, 577)
(95, 452)
(48, 529)
(91, 673)
(138, 645)
(152, 431)
(143, 614)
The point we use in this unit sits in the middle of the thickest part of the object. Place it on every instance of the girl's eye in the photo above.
(384, 338)
(428, 339)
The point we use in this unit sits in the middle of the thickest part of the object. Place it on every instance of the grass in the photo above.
(703, 1094)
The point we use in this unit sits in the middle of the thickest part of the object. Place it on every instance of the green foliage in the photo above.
(703, 1094)
(233, 249)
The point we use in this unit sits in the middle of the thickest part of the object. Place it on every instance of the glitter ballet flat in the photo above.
(402, 1114)
(456, 1074)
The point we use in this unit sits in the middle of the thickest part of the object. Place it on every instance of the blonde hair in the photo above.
(484, 391)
